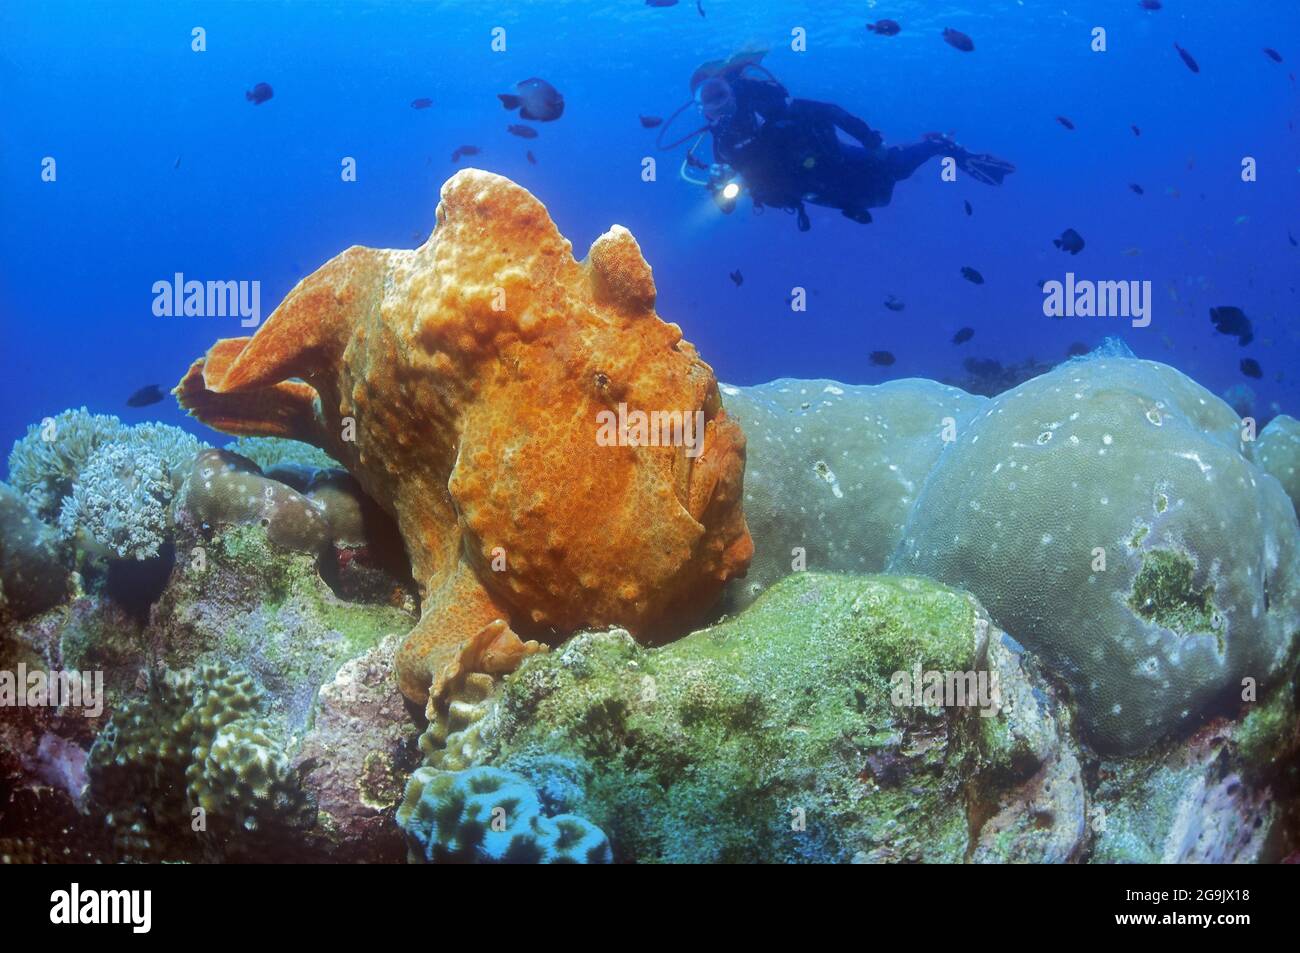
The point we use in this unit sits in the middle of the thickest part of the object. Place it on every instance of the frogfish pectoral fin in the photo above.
(461, 631)
(305, 336)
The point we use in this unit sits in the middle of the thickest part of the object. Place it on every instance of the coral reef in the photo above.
(195, 769)
(461, 384)
(1278, 454)
(1105, 515)
(832, 470)
(490, 816)
(774, 736)
(33, 575)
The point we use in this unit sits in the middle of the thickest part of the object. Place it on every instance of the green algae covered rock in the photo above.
(489, 816)
(1106, 515)
(1278, 453)
(832, 470)
(776, 737)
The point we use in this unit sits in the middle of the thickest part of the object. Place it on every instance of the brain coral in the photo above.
(489, 816)
(461, 384)
(833, 469)
(1278, 454)
(1105, 515)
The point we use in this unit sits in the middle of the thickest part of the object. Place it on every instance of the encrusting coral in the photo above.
(462, 384)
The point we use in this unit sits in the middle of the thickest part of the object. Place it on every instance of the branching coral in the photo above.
(199, 739)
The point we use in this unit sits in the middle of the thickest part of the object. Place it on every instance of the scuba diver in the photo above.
(787, 151)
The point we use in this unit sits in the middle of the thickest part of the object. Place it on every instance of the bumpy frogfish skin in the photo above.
(461, 383)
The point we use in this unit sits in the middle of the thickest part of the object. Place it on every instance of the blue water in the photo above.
(114, 93)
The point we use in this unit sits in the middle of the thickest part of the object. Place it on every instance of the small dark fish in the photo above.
(882, 358)
(1233, 322)
(259, 94)
(464, 151)
(523, 132)
(177, 163)
(1150, 4)
(424, 102)
(884, 27)
(532, 159)
(1077, 349)
(661, 3)
(963, 335)
(699, 5)
(145, 396)
(1136, 130)
(969, 210)
(894, 304)
(1065, 122)
(649, 122)
(971, 275)
(1070, 241)
(1187, 58)
(1137, 188)
(1250, 367)
(536, 99)
(1291, 239)
(959, 40)
(1273, 54)
(737, 277)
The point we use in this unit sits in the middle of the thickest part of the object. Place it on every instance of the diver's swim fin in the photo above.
(985, 168)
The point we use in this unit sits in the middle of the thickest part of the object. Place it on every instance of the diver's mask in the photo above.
(715, 99)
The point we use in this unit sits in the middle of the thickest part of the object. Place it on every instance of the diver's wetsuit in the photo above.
(789, 151)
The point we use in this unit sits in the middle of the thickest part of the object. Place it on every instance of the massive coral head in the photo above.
(464, 383)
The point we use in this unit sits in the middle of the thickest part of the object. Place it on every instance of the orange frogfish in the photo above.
(556, 456)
